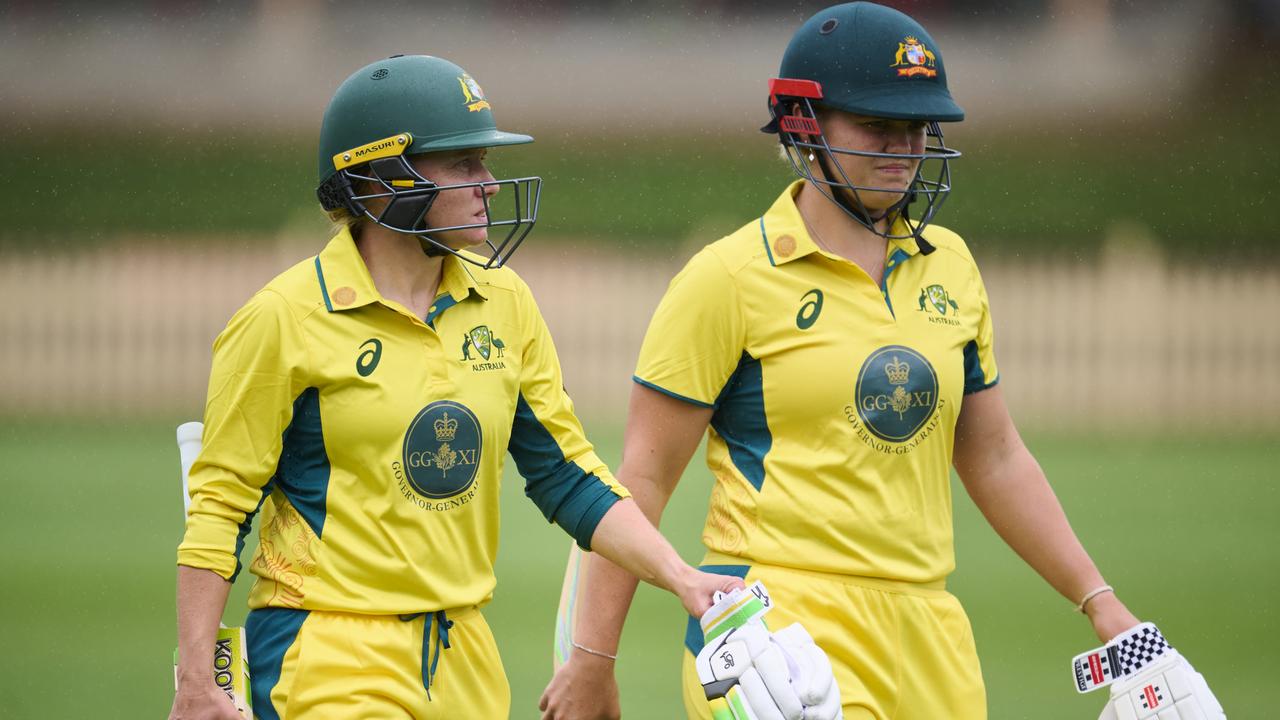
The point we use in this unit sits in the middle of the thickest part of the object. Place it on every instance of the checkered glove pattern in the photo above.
(749, 673)
(1149, 680)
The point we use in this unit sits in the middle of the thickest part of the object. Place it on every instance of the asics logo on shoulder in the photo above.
(367, 361)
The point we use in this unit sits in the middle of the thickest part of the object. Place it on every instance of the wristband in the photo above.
(586, 649)
(1091, 595)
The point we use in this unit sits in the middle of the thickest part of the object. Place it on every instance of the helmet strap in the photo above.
(432, 247)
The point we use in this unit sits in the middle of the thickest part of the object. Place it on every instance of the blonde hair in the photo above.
(343, 219)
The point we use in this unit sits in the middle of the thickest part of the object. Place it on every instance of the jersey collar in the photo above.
(345, 283)
(786, 238)
(782, 230)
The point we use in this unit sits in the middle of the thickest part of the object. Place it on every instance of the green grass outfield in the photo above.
(1185, 528)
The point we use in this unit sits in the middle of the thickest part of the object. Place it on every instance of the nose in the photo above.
(901, 140)
(486, 176)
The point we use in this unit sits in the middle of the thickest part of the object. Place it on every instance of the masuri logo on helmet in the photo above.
(403, 106)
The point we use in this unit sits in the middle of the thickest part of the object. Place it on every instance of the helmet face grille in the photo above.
(801, 134)
(408, 105)
(409, 197)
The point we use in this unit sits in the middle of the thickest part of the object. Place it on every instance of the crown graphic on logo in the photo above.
(898, 371)
(910, 40)
(445, 428)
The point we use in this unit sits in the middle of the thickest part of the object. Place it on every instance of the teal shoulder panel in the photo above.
(302, 473)
(565, 494)
(740, 419)
(693, 640)
(269, 632)
(974, 377)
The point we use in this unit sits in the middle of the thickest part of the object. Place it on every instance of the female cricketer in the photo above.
(343, 407)
(840, 349)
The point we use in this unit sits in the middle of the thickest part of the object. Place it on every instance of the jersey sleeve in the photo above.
(251, 396)
(980, 370)
(563, 476)
(697, 335)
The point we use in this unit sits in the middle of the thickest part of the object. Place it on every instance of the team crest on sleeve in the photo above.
(473, 96)
(895, 400)
(914, 59)
(440, 457)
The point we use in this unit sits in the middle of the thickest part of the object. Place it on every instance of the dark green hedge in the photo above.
(1199, 184)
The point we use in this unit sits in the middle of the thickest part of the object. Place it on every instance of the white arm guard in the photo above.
(748, 673)
(1148, 679)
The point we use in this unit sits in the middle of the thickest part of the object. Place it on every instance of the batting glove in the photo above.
(748, 673)
(1148, 679)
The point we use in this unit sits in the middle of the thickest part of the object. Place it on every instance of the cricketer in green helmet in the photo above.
(341, 408)
(838, 353)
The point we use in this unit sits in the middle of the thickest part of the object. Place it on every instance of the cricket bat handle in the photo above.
(189, 436)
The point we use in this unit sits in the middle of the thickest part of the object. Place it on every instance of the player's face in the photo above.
(460, 206)
(875, 135)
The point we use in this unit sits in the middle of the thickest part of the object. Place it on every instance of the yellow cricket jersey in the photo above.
(373, 440)
(835, 395)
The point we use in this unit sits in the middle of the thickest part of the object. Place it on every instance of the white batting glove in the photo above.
(811, 675)
(749, 673)
(1149, 680)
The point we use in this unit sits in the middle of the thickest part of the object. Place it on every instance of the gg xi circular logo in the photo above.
(442, 450)
(897, 392)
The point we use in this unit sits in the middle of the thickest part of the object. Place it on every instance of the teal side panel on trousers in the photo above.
(270, 632)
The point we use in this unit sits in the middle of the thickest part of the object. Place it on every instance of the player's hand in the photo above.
(1148, 678)
(202, 701)
(697, 591)
(584, 688)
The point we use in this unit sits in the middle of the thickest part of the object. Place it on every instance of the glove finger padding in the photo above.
(811, 673)
(775, 672)
(760, 699)
(1168, 688)
(828, 709)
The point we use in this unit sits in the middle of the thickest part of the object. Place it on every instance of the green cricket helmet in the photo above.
(869, 60)
(407, 105)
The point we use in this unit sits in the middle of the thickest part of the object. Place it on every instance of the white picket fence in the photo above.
(1128, 344)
